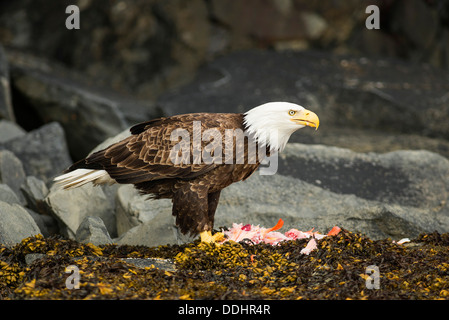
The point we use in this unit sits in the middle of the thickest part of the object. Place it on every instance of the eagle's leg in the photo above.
(194, 209)
(212, 202)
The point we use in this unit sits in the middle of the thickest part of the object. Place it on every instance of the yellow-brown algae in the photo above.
(336, 270)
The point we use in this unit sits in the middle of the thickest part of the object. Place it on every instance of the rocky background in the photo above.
(377, 165)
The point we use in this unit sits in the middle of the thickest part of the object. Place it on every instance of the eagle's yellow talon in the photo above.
(206, 236)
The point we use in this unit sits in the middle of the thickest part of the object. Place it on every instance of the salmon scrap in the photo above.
(257, 234)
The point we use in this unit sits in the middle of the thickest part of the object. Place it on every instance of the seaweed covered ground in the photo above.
(337, 269)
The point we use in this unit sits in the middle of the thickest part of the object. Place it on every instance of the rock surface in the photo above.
(15, 224)
(6, 109)
(11, 172)
(264, 199)
(88, 116)
(376, 105)
(70, 207)
(35, 191)
(145, 47)
(158, 231)
(10, 130)
(92, 230)
(47, 224)
(406, 178)
(132, 209)
(144, 221)
(7, 195)
(43, 152)
(347, 92)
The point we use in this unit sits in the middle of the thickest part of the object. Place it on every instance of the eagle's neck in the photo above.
(266, 132)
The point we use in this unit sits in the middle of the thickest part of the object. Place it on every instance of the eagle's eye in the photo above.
(292, 112)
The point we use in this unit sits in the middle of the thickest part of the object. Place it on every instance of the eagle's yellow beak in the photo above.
(306, 118)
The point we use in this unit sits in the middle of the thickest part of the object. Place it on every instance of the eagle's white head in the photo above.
(273, 123)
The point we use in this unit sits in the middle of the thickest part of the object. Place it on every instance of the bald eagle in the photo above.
(190, 158)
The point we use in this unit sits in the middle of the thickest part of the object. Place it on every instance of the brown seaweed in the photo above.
(338, 269)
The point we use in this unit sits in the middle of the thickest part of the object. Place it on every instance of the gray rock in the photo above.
(361, 140)
(70, 207)
(345, 91)
(7, 195)
(260, 20)
(88, 114)
(126, 217)
(137, 216)
(354, 94)
(31, 257)
(15, 224)
(92, 230)
(164, 264)
(6, 109)
(47, 224)
(43, 151)
(35, 190)
(12, 172)
(420, 29)
(133, 209)
(9, 130)
(120, 136)
(406, 178)
(399, 194)
(157, 231)
(262, 200)
(131, 57)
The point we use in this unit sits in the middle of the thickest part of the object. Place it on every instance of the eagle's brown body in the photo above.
(145, 160)
(190, 158)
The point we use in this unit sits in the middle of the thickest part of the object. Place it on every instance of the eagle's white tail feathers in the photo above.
(79, 177)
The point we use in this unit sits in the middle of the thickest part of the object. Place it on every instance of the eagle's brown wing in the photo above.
(162, 148)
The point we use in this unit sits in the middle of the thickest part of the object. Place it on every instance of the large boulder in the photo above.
(92, 230)
(70, 207)
(397, 194)
(35, 191)
(46, 223)
(12, 172)
(361, 102)
(8, 195)
(134, 211)
(15, 224)
(406, 178)
(158, 231)
(140, 47)
(43, 151)
(145, 221)
(10, 130)
(89, 114)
